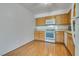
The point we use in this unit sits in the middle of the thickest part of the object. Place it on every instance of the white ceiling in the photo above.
(37, 8)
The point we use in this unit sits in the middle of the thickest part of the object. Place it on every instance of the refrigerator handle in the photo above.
(72, 29)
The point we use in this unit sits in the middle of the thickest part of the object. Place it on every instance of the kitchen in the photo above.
(56, 24)
(53, 32)
(56, 28)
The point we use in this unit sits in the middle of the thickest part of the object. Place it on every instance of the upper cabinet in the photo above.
(40, 21)
(62, 19)
(43, 20)
(75, 10)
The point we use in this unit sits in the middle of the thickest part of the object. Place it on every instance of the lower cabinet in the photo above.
(70, 44)
(60, 36)
(39, 35)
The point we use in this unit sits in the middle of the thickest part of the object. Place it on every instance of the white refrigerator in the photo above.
(76, 32)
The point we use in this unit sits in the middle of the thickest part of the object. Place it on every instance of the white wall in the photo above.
(16, 27)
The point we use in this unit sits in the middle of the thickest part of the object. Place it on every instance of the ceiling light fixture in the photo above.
(44, 3)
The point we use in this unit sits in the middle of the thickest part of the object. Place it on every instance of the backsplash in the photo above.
(55, 27)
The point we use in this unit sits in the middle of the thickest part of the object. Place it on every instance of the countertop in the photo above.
(68, 32)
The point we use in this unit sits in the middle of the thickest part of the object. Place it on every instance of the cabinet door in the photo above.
(62, 19)
(74, 11)
(39, 35)
(70, 44)
(40, 21)
(60, 36)
(42, 35)
(36, 35)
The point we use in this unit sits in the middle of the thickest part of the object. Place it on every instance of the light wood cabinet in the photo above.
(74, 11)
(36, 35)
(42, 35)
(69, 17)
(70, 44)
(62, 19)
(40, 21)
(39, 35)
(60, 36)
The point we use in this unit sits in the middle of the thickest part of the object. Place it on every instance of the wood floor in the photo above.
(40, 48)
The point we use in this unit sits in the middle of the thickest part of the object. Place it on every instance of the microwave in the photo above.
(50, 21)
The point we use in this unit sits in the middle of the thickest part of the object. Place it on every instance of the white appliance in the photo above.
(50, 35)
(50, 21)
(76, 31)
(50, 32)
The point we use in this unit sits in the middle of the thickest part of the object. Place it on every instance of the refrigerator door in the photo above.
(77, 9)
(77, 30)
(77, 37)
